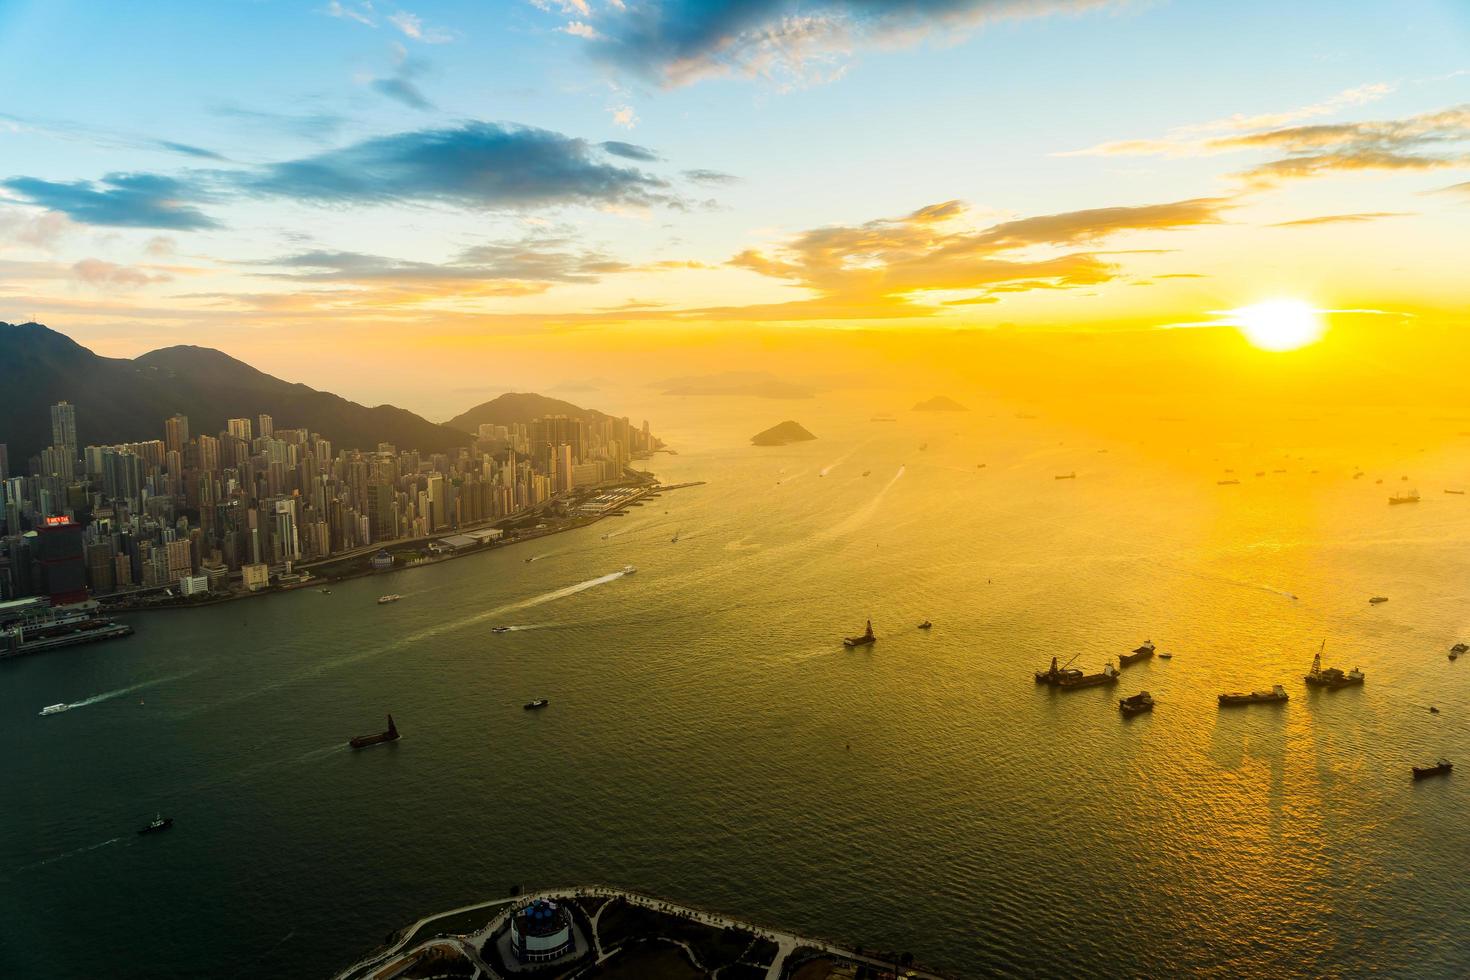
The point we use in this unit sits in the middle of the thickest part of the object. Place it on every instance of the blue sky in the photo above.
(183, 167)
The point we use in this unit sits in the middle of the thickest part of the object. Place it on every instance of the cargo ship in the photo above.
(1331, 678)
(1136, 705)
(1442, 768)
(1412, 497)
(1054, 674)
(363, 741)
(867, 639)
(1140, 653)
(1109, 675)
(1276, 695)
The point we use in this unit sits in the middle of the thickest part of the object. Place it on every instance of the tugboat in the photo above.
(1141, 653)
(55, 709)
(1442, 768)
(538, 703)
(1136, 705)
(867, 639)
(363, 741)
(1109, 675)
(1331, 678)
(1455, 652)
(383, 600)
(925, 625)
(160, 822)
(1276, 695)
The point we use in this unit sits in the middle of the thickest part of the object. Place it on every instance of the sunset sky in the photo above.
(516, 193)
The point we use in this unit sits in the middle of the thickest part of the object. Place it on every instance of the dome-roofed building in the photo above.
(542, 931)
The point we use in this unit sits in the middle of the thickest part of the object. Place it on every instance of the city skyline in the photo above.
(573, 189)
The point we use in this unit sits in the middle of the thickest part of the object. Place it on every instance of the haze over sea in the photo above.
(696, 745)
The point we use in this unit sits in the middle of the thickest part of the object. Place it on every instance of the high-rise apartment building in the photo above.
(267, 426)
(239, 428)
(64, 427)
(175, 433)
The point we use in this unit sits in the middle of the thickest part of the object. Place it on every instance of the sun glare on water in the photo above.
(1279, 324)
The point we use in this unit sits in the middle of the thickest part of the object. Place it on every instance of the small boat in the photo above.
(363, 741)
(1136, 705)
(55, 709)
(867, 639)
(675, 538)
(1460, 648)
(1458, 493)
(1260, 472)
(325, 591)
(383, 600)
(1276, 695)
(629, 569)
(979, 466)
(604, 537)
(1166, 656)
(1066, 476)
(1377, 599)
(529, 560)
(1433, 710)
(159, 822)
(1141, 653)
(926, 625)
(1442, 768)
(866, 472)
(538, 703)
(1227, 483)
(500, 629)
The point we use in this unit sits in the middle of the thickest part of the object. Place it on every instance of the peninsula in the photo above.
(780, 435)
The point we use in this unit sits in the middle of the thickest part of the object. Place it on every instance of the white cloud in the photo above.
(361, 12)
(582, 29)
(413, 27)
(624, 116)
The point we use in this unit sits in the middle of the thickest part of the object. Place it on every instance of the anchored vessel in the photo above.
(1054, 674)
(1331, 678)
(1412, 497)
(1137, 704)
(866, 639)
(925, 625)
(363, 741)
(159, 822)
(383, 600)
(1377, 599)
(1276, 695)
(1141, 653)
(538, 703)
(1109, 675)
(1066, 476)
(1442, 768)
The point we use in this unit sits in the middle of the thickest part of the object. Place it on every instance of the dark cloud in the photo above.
(475, 165)
(630, 151)
(187, 150)
(677, 41)
(402, 89)
(123, 200)
(710, 177)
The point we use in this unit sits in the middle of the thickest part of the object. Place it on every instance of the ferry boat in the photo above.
(1412, 497)
(55, 709)
(867, 639)
(1276, 695)
(500, 629)
(383, 600)
(1442, 768)
(1331, 678)
(363, 741)
(1136, 705)
(538, 703)
(159, 822)
(1140, 653)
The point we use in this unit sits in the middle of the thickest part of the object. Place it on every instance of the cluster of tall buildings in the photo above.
(196, 510)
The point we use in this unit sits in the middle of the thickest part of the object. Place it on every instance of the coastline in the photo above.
(317, 581)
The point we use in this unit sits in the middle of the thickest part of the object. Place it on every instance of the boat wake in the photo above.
(68, 854)
(108, 696)
(742, 544)
(864, 513)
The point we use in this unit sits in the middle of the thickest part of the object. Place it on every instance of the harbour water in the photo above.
(709, 738)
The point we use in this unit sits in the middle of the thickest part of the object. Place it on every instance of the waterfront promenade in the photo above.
(386, 962)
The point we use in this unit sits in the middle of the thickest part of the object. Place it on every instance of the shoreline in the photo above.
(325, 579)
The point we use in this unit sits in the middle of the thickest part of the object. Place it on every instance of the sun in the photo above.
(1278, 324)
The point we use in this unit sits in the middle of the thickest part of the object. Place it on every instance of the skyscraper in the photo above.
(267, 426)
(64, 427)
(239, 428)
(175, 433)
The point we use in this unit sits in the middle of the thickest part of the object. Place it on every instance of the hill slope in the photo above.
(780, 435)
(518, 406)
(121, 400)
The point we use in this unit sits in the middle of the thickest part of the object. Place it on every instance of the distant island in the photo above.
(940, 403)
(780, 435)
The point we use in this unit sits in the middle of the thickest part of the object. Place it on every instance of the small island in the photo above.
(940, 403)
(780, 435)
